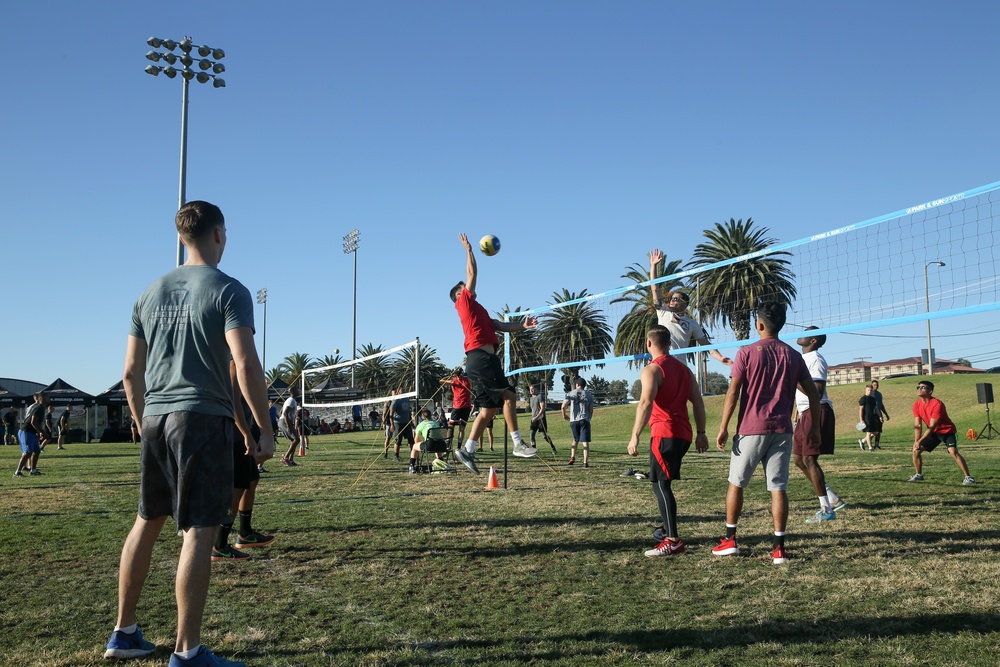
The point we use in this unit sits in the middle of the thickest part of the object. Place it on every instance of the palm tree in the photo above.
(293, 365)
(403, 368)
(630, 337)
(372, 375)
(730, 294)
(574, 333)
(274, 374)
(338, 374)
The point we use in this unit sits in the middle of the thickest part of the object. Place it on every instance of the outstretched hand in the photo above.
(656, 256)
(465, 241)
(530, 322)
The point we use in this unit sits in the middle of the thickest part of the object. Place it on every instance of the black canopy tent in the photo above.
(61, 392)
(9, 399)
(113, 395)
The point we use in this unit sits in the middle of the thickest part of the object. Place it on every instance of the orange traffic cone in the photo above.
(302, 449)
(491, 481)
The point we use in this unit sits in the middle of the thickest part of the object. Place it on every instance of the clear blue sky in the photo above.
(581, 133)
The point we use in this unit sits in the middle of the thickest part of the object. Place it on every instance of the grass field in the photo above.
(376, 567)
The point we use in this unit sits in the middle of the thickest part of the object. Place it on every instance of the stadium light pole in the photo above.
(927, 303)
(351, 243)
(209, 71)
(262, 299)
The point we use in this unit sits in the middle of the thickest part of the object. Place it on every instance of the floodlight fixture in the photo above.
(169, 58)
(169, 44)
(188, 74)
(204, 64)
(218, 54)
(153, 69)
(154, 56)
(185, 45)
(170, 72)
(186, 60)
(218, 68)
(218, 83)
(204, 51)
(155, 42)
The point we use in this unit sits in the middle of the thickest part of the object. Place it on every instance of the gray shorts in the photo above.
(774, 449)
(186, 468)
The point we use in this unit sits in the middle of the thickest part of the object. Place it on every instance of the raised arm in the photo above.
(655, 257)
(471, 270)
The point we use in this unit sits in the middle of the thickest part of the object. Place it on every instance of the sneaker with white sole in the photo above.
(124, 646)
(228, 553)
(666, 548)
(916, 478)
(839, 505)
(524, 451)
(779, 555)
(822, 516)
(467, 459)
(968, 480)
(205, 658)
(726, 547)
(254, 539)
(627, 473)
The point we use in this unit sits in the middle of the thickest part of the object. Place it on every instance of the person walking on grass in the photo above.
(286, 421)
(763, 380)
(667, 388)
(868, 413)
(63, 427)
(185, 328)
(246, 476)
(581, 405)
(490, 387)
(807, 455)
(883, 414)
(931, 411)
(538, 421)
(30, 434)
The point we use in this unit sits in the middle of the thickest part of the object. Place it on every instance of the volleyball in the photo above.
(490, 245)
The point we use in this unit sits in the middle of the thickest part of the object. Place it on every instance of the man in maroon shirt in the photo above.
(940, 428)
(490, 387)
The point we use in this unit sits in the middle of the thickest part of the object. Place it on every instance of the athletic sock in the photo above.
(516, 437)
(246, 528)
(824, 504)
(730, 531)
(188, 654)
(470, 446)
(779, 539)
(128, 629)
(222, 538)
(832, 495)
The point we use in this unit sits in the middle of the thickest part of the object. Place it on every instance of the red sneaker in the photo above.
(727, 547)
(779, 555)
(666, 548)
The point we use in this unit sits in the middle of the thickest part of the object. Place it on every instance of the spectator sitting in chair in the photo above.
(424, 443)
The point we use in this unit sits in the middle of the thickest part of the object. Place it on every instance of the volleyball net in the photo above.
(937, 259)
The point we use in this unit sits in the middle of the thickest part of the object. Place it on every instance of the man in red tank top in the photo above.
(667, 387)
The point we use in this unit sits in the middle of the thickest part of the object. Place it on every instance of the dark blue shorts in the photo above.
(186, 468)
(581, 430)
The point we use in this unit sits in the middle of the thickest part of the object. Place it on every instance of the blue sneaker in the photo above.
(822, 516)
(205, 658)
(123, 646)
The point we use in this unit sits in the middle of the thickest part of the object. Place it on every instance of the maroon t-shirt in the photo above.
(770, 370)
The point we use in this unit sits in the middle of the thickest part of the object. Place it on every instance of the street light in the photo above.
(209, 71)
(351, 243)
(262, 299)
(927, 303)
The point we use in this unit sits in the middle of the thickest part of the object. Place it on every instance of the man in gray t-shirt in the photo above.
(581, 405)
(538, 421)
(184, 329)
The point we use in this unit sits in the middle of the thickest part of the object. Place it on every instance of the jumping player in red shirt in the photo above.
(490, 387)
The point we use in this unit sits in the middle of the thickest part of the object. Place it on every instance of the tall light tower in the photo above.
(927, 303)
(208, 71)
(351, 243)
(262, 299)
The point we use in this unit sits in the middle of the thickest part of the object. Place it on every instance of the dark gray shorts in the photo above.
(186, 468)
(244, 465)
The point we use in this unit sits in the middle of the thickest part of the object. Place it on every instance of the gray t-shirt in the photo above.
(537, 406)
(184, 317)
(581, 405)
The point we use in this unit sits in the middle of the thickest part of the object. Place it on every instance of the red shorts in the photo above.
(827, 433)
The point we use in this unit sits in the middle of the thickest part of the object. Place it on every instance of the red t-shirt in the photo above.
(669, 418)
(461, 392)
(932, 409)
(476, 322)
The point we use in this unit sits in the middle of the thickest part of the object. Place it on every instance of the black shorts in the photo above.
(434, 446)
(244, 465)
(404, 431)
(934, 440)
(186, 468)
(488, 381)
(665, 456)
(460, 415)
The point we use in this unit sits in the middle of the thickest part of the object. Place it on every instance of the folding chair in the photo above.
(436, 443)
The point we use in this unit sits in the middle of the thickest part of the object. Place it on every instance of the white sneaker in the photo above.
(968, 480)
(917, 478)
(524, 451)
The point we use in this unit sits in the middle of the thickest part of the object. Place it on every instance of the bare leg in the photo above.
(194, 571)
(918, 463)
(779, 510)
(960, 460)
(137, 553)
(734, 504)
